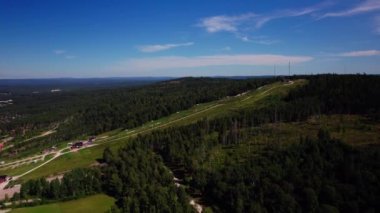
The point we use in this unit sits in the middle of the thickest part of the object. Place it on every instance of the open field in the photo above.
(95, 203)
(117, 138)
(24, 167)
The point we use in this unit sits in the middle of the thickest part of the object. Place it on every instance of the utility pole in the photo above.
(289, 68)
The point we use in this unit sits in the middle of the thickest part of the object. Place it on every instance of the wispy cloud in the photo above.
(172, 62)
(162, 47)
(257, 39)
(364, 7)
(264, 19)
(59, 52)
(362, 53)
(240, 25)
(225, 23)
(64, 54)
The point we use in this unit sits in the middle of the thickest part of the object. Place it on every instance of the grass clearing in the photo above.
(23, 168)
(95, 203)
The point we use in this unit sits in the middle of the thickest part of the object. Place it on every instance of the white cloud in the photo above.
(224, 23)
(362, 53)
(59, 52)
(364, 7)
(161, 47)
(172, 62)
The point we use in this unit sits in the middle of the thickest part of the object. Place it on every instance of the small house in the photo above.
(77, 145)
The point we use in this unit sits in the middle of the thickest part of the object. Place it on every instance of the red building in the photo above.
(77, 145)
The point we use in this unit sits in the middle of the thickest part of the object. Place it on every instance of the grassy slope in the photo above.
(95, 203)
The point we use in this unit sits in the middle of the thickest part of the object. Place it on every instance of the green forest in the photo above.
(320, 174)
(85, 113)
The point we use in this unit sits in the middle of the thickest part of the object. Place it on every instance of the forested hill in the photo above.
(255, 158)
(91, 112)
(234, 169)
(130, 108)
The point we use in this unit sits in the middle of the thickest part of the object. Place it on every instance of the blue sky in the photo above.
(110, 38)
